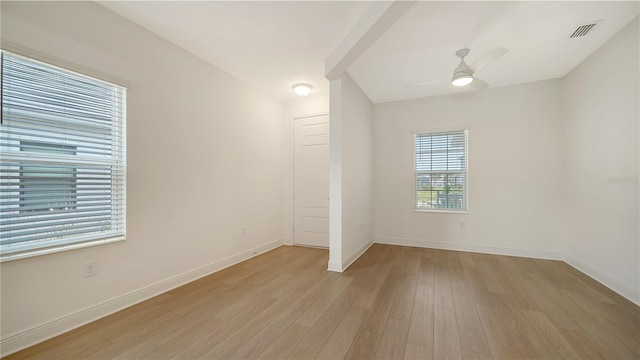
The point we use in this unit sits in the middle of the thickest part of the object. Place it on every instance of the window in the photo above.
(32, 177)
(441, 171)
(62, 159)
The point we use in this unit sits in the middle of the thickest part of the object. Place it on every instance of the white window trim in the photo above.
(413, 169)
(57, 249)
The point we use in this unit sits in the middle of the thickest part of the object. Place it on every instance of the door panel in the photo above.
(311, 181)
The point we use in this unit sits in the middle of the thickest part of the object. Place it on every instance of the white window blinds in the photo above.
(441, 171)
(62, 158)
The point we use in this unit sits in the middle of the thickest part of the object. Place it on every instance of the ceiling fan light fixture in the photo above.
(461, 80)
(462, 75)
(302, 89)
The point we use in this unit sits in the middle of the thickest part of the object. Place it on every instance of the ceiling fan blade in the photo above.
(488, 58)
(427, 82)
(478, 84)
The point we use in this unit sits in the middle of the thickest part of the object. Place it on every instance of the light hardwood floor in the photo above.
(393, 303)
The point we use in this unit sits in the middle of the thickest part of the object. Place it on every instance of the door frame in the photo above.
(292, 149)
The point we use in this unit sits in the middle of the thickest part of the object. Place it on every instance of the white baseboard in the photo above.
(42, 332)
(484, 249)
(355, 255)
(335, 266)
(625, 291)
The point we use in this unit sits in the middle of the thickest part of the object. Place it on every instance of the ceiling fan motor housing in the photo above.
(462, 75)
(462, 70)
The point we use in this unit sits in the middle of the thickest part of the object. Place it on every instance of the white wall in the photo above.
(602, 100)
(351, 148)
(517, 185)
(307, 106)
(205, 155)
(312, 105)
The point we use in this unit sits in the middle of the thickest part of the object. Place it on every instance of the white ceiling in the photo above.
(421, 45)
(273, 45)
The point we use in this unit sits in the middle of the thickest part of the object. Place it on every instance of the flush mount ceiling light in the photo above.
(302, 89)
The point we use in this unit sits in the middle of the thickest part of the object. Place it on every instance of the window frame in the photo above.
(414, 194)
(120, 106)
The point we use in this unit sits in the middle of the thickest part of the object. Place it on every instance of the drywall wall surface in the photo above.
(311, 105)
(335, 176)
(205, 154)
(351, 169)
(517, 186)
(357, 171)
(602, 100)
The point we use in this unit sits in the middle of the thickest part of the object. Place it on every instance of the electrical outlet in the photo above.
(90, 268)
(244, 231)
(462, 226)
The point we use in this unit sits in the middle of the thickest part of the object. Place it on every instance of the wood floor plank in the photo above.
(477, 286)
(472, 355)
(441, 281)
(140, 351)
(372, 289)
(281, 347)
(200, 343)
(73, 348)
(466, 260)
(340, 340)
(583, 346)
(394, 302)
(82, 352)
(322, 303)
(302, 354)
(517, 294)
(546, 304)
(421, 326)
(497, 335)
(393, 340)
(366, 342)
(403, 301)
(469, 326)
(413, 265)
(200, 319)
(425, 272)
(417, 352)
(524, 338)
(550, 335)
(257, 344)
(446, 341)
(456, 271)
(488, 274)
(115, 350)
(596, 330)
(613, 326)
(324, 327)
(241, 336)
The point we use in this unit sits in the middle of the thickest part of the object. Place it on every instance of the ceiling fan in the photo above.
(464, 74)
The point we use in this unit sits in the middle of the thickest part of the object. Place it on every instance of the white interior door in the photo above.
(311, 181)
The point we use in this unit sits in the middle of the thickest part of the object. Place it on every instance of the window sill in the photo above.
(57, 249)
(441, 211)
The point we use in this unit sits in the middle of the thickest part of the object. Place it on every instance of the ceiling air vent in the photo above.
(583, 30)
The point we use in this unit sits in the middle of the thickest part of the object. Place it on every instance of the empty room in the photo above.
(319, 180)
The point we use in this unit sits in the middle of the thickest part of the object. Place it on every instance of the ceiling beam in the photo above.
(380, 16)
